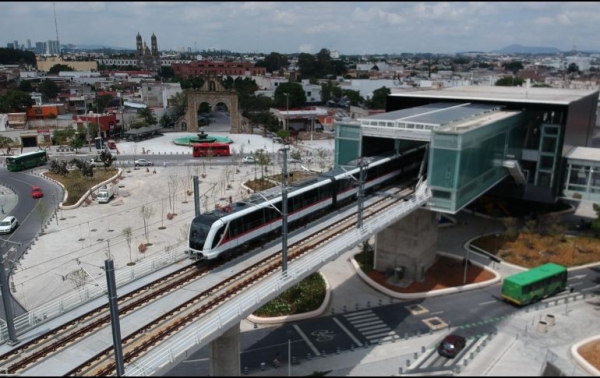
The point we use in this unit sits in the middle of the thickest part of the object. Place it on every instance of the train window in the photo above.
(235, 228)
(218, 236)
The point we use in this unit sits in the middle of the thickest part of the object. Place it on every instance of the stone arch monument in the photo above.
(213, 92)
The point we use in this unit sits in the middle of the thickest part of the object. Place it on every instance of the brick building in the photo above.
(203, 67)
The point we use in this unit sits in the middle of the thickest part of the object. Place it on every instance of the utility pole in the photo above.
(361, 194)
(284, 209)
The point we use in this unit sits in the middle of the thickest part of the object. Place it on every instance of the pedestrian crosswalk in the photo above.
(371, 326)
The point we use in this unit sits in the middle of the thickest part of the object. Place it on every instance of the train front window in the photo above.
(198, 234)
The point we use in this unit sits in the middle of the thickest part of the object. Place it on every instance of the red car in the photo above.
(36, 192)
(451, 345)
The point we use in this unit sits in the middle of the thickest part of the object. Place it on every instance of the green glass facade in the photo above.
(347, 143)
(465, 164)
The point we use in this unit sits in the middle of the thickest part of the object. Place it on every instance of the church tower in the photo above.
(154, 45)
(138, 45)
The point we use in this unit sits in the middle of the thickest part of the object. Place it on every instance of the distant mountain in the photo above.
(520, 49)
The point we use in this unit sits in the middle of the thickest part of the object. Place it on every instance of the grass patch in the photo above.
(307, 295)
(78, 185)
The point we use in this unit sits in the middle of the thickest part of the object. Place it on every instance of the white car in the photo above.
(249, 160)
(143, 163)
(8, 224)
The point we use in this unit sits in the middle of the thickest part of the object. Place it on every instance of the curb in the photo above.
(428, 294)
(296, 317)
(589, 368)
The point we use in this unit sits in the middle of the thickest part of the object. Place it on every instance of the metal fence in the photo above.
(232, 312)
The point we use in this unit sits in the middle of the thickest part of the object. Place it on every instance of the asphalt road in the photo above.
(28, 217)
(475, 313)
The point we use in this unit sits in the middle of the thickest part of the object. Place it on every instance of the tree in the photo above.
(15, 56)
(263, 160)
(166, 72)
(573, 68)
(165, 119)
(148, 116)
(147, 211)
(273, 62)
(49, 89)
(297, 98)
(379, 98)
(76, 144)
(509, 81)
(55, 69)
(127, 233)
(102, 102)
(513, 67)
(5, 143)
(179, 104)
(192, 82)
(354, 96)
(308, 65)
(25, 86)
(15, 101)
(107, 158)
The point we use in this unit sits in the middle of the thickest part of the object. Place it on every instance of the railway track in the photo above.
(159, 329)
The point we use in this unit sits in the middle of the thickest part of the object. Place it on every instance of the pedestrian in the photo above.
(164, 164)
(2, 206)
(276, 360)
(248, 141)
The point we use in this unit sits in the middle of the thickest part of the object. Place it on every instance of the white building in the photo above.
(155, 94)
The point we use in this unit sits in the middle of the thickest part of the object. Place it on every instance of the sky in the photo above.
(293, 27)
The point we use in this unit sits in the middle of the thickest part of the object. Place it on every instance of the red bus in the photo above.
(211, 149)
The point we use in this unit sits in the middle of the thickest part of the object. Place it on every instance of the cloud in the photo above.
(306, 48)
(349, 27)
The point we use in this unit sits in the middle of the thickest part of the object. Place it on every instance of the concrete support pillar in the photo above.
(410, 244)
(225, 354)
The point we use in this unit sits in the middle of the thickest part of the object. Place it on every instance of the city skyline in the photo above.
(377, 27)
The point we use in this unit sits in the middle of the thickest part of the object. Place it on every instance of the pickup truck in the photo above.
(106, 193)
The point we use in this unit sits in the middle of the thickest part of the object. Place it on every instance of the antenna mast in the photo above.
(56, 26)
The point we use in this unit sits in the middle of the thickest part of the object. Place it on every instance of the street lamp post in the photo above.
(287, 111)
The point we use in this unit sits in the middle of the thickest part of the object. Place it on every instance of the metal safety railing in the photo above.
(232, 312)
(89, 292)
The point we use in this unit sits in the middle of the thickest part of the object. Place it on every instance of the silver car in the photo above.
(143, 163)
(8, 224)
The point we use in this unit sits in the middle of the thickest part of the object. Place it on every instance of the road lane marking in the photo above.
(436, 313)
(591, 288)
(307, 341)
(347, 332)
(367, 322)
(488, 302)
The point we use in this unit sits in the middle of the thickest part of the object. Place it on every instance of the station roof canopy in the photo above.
(501, 94)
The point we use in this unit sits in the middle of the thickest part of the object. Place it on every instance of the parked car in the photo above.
(95, 162)
(8, 224)
(451, 345)
(36, 192)
(143, 163)
(249, 160)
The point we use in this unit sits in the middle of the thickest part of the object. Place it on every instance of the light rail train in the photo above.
(236, 226)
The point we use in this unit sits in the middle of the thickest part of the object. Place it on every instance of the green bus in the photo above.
(27, 160)
(536, 283)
